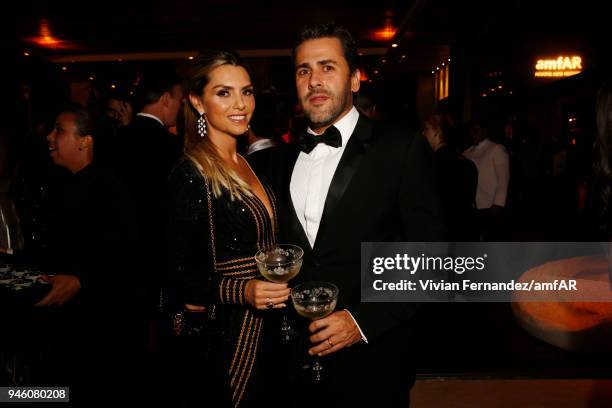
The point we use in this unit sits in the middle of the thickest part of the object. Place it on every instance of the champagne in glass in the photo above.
(315, 300)
(280, 274)
(281, 263)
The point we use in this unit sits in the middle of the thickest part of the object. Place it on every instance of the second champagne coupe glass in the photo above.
(281, 263)
(315, 300)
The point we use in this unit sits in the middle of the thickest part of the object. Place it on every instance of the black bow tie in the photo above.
(331, 137)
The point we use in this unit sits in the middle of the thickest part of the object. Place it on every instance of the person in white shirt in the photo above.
(492, 162)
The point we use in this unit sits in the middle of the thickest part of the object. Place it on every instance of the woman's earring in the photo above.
(248, 127)
(201, 125)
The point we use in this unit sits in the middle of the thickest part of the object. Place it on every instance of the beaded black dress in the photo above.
(241, 228)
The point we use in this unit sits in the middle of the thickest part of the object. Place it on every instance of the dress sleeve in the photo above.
(190, 271)
(192, 275)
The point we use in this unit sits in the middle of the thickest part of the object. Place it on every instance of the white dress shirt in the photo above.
(148, 115)
(260, 144)
(312, 176)
(491, 159)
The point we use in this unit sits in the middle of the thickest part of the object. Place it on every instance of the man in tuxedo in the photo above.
(148, 152)
(262, 135)
(148, 141)
(351, 180)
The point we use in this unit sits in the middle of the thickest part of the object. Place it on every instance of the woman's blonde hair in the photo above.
(200, 149)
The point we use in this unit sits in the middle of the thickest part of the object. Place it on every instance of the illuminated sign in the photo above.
(562, 66)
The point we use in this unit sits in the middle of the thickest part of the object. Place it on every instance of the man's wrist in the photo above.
(363, 337)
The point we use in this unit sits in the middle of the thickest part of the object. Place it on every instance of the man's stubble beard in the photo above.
(328, 116)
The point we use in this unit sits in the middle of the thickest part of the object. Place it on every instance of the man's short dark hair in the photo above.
(330, 30)
(153, 84)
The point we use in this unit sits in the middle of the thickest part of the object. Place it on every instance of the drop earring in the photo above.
(201, 123)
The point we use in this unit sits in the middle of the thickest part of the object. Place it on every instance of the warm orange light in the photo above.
(394, 45)
(556, 74)
(441, 82)
(46, 38)
(384, 34)
(47, 41)
(190, 57)
(362, 75)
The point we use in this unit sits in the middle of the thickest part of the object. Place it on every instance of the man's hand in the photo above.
(65, 287)
(333, 333)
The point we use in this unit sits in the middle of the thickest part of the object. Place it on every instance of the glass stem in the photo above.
(316, 369)
(285, 324)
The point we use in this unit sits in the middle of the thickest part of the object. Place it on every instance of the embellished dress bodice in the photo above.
(241, 228)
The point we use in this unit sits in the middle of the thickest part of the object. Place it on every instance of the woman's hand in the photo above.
(264, 295)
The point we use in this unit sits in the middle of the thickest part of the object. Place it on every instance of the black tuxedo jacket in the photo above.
(261, 160)
(384, 189)
(149, 152)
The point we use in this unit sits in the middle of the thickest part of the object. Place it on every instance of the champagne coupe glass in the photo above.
(315, 300)
(281, 263)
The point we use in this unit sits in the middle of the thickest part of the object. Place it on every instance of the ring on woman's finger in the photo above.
(330, 343)
(269, 303)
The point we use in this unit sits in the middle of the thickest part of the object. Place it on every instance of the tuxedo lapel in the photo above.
(349, 163)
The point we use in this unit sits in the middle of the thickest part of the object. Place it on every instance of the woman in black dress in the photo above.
(221, 214)
(91, 271)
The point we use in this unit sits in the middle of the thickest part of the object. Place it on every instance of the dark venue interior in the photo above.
(528, 73)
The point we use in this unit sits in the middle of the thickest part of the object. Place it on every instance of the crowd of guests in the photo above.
(167, 195)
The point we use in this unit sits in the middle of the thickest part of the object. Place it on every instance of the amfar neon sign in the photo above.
(563, 66)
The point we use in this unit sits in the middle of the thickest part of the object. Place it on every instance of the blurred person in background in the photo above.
(262, 135)
(89, 264)
(119, 107)
(458, 178)
(493, 166)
